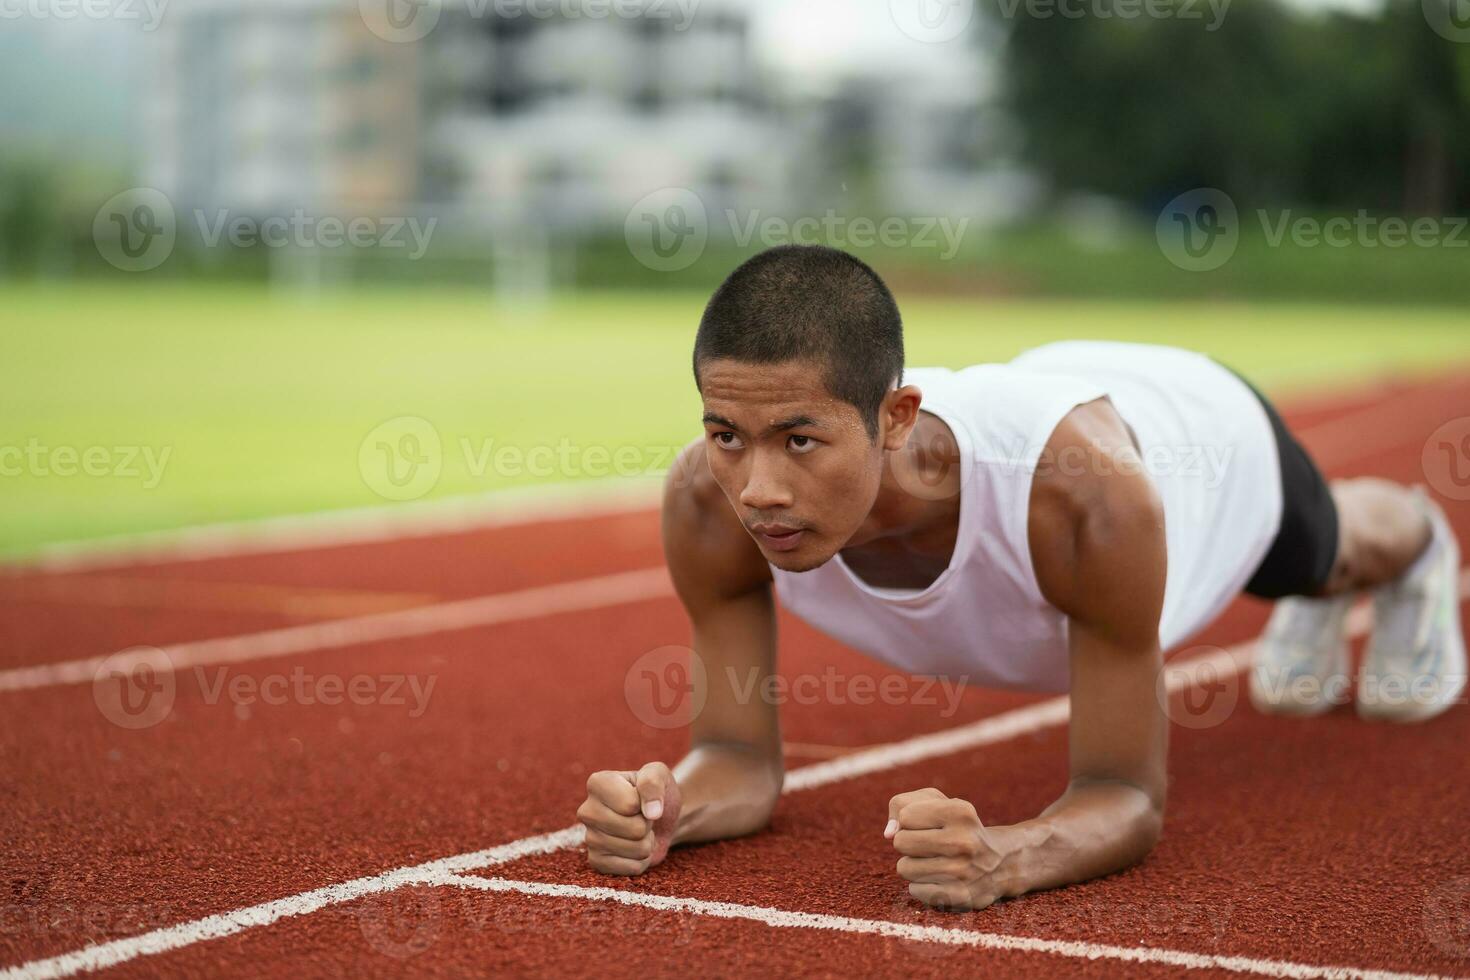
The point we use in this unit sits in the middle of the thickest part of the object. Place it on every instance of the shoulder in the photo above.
(1096, 523)
(710, 554)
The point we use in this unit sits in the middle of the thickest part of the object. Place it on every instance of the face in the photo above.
(796, 463)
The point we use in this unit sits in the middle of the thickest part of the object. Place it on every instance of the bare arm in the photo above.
(1096, 533)
(729, 782)
(731, 778)
(1097, 544)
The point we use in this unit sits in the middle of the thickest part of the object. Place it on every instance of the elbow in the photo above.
(1147, 827)
(1150, 829)
(1139, 818)
(775, 782)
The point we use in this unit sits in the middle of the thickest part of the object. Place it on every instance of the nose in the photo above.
(764, 490)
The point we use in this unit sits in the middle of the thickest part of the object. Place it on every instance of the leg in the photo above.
(1380, 531)
(1359, 535)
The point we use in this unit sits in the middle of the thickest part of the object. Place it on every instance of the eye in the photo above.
(727, 440)
(802, 444)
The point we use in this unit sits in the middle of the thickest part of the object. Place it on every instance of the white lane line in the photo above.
(987, 731)
(784, 919)
(102, 955)
(461, 614)
(503, 607)
(349, 526)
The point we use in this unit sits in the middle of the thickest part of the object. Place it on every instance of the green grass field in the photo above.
(262, 403)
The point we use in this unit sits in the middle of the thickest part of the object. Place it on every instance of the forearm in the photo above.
(728, 790)
(1094, 829)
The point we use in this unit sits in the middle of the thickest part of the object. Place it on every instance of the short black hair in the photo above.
(809, 302)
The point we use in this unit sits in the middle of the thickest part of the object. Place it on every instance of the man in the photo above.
(1043, 524)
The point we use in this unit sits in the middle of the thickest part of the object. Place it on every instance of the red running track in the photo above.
(1322, 842)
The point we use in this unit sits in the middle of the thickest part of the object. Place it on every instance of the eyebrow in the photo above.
(795, 422)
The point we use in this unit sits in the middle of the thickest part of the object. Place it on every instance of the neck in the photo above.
(918, 498)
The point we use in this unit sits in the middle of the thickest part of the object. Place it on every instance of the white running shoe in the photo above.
(1414, 667)
(1301, 663)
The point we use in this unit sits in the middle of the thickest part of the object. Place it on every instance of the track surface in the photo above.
(1291, 844)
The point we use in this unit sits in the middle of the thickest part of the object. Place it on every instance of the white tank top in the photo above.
(1206, 442)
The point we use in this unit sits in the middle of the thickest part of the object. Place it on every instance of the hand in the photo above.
(949, 859)
(630, 818)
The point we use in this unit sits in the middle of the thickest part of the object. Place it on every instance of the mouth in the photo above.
(777, 537)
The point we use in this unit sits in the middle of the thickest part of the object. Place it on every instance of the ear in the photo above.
(898, 415)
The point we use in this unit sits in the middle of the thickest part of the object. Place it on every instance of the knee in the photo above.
(1379, 530)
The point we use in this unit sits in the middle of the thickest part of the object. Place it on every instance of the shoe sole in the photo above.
(1290, 707)
(1455, 662)
(1412, 711)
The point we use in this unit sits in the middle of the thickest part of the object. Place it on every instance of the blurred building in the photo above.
(564, 120)
(574, 119)
(921, 138)
(270, 105)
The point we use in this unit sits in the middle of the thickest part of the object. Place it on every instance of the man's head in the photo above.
(798, 358)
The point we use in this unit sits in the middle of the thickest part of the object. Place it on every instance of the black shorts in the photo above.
(1301, 556)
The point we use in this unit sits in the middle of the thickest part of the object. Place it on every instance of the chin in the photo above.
(798, 561)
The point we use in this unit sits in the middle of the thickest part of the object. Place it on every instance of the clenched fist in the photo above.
(630, 818)
(948, 858)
